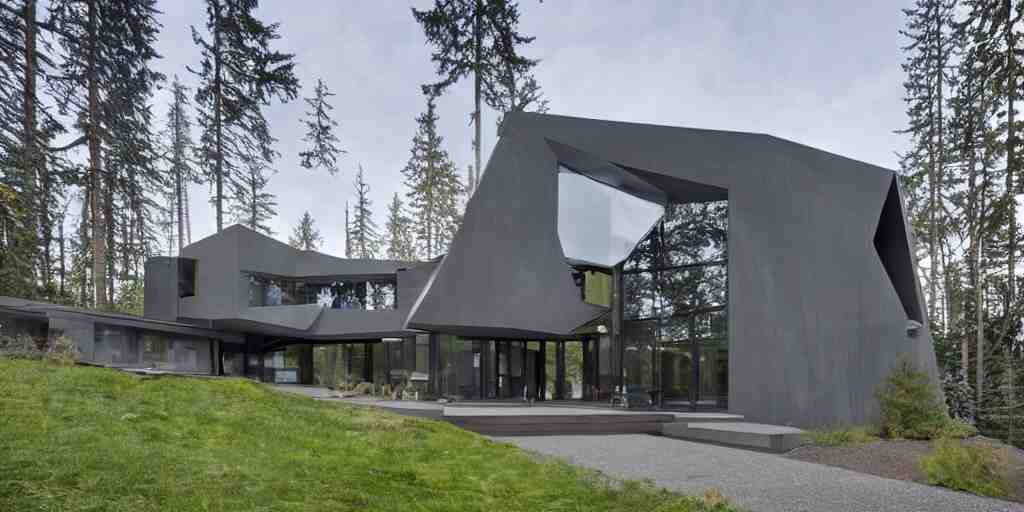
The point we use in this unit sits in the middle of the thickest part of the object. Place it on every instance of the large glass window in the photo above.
(460, 368)
(373, 294)
(599, 224)
(154, 347)
(116, 345)
(675, 298)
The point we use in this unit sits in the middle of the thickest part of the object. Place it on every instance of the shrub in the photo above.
(363, 388)
(972, 468)
(959, 395)
(60, 350)
(842, 436)
(958, 429)
(910, 406)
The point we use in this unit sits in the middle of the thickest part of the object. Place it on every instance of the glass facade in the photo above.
(663, 341)
(372, 294)
(675, 299)
(128, 346)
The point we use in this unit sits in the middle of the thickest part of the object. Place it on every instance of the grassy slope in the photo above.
(95, 439)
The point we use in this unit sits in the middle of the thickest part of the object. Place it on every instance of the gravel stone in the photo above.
(760, 482)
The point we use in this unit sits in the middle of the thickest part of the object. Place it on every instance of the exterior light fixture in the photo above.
(391, 340)
(602, 329)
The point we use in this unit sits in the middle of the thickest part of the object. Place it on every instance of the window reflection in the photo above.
(599, 224)
(374, 294)
(675, 298)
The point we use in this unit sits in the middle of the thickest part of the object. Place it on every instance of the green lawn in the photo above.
(76, 438)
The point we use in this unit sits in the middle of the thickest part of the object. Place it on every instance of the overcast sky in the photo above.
(826, 74)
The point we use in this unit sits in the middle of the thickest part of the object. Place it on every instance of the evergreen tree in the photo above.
(928, 28)
(434, 187)
(992, 29)
(106, 82)
(323, 144)
(179, 151)
(400, 243)
(133, 174)
(251, 204)
(479, 37)
(27, 164)
(364, 237)
(305, 236)
(238, 75)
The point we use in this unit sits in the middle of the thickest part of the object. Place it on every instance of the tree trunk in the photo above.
(940, 146)
(35, 166)
(217, 117)
(110, 227)
(62, 268)
(179, 195)
(98, 232)
(477, 43)
(1011, 163)
(979, 313)
(1011, 167)
(188, 219)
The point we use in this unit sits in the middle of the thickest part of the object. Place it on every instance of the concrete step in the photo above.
(554, 421)
(707, 417)
(759, 436)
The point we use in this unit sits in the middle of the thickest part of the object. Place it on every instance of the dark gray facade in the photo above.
(822, 294)
(799, 293)
(222, 296)
(120, 340)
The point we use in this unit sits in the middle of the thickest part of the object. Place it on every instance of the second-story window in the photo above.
(334, 293)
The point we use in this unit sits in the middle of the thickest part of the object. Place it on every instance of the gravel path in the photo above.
(761, 482)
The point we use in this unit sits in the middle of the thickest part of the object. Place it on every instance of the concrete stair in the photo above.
(758, 436)
(505, 421)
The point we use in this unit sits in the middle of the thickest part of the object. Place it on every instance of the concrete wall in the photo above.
(222, 288)
(160, 301)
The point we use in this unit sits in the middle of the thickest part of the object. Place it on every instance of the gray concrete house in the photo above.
(623, 263)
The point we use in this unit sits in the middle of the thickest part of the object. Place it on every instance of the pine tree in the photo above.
(323, 149)
(106, 82)
(929, 23)
(27, 163)
(133, 172)
(479, 37)
(992, 29)
(434, 186)
(364, 237)
(238, 74)
(251, 204)
(18, 242)
(400, 243)
(305, 236)
(179, 150)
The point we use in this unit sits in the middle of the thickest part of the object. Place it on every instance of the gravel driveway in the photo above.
(761, 482)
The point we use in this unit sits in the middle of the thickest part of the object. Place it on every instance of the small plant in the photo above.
(958, 429)
(713, 499)
(363, 388)
(842, 436)
(972, 468)
(910, 406)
